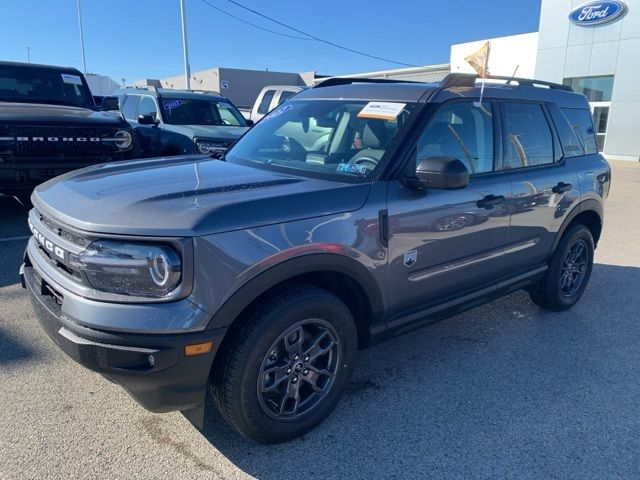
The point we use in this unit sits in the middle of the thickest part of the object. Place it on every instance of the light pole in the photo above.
(187, 73)
(28, 54)
(84, 61)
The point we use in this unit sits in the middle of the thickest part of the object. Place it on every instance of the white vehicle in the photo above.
(270, 97)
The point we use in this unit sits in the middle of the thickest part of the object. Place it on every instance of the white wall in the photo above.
(507, 53)
(566, 50)
(101, 85)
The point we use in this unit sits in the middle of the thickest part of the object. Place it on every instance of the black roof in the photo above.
(452, 86)
(39, 67)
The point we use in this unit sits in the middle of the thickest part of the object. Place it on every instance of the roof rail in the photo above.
(207, 92)
(469, 80)
(144, 87)
(333, 81)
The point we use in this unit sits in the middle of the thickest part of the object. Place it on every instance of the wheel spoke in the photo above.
(293, 392)
(280, 377)
(293, 341)
(316, 349)
(313, 381)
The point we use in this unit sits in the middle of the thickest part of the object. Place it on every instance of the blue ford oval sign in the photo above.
(597, 13)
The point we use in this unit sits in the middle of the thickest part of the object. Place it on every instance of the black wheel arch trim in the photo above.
(584, 206)
(231, 309)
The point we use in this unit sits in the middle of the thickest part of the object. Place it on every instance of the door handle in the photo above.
(562, 187)
(490, 201)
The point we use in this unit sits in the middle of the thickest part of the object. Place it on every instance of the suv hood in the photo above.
(45, 114)
(209, 131)
(188, 196)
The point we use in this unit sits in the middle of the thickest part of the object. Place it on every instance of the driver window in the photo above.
(462, 131)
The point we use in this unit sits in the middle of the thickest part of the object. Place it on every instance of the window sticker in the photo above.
(381, 110)
(172, 104)
(278, 111)
(72, 79)
(351, 168)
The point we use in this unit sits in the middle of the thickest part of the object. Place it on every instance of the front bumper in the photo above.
(153, 369)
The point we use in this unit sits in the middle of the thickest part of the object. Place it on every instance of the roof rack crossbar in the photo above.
(469, 80)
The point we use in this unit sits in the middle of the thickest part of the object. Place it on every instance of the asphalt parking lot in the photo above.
(503, 391)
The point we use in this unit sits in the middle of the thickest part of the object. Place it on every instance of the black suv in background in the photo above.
(355, 211)
(173, 122)
(49, 124)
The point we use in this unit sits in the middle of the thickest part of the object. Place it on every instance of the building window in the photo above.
(596, 89)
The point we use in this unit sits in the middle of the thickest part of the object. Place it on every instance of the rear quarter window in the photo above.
(582, 124)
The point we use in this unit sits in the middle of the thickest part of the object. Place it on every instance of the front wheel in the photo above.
(569, 271)
(285, 370)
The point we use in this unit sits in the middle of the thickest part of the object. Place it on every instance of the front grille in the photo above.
(60, 142)
(55, 232)
(61, 232)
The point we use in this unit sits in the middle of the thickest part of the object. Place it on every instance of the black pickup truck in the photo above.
(49, 124)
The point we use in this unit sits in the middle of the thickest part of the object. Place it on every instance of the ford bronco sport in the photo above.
(358, 210)
(49, 125)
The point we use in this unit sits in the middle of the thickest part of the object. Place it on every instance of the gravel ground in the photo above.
(503, 391)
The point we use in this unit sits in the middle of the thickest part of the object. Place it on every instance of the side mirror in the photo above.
(110, 103)
(249, 122)
(147, 119)
(446, 173)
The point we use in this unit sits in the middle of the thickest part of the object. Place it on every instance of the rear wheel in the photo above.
(285, 370)
(569, 270)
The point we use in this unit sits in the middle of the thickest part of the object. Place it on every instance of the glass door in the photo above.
(600, 111)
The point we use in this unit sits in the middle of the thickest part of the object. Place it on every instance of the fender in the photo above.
(311, 263)
(584, 206)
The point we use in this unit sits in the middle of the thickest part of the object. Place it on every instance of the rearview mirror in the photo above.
(147, 119)
(446, 173)
(110, 103)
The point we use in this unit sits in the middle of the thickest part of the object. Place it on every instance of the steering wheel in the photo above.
(291, 147)
(367, 162)
(225, 121)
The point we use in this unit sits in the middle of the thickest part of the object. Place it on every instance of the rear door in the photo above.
(444, 243)
(543, 178)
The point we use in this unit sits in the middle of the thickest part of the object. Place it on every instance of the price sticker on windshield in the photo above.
(72, 79)
(381, 110)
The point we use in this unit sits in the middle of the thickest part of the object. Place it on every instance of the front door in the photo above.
(444, 243)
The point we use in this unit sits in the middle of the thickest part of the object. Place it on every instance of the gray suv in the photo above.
(358, 210)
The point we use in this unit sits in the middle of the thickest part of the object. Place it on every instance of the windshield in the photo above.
(29, 84)
(338, 138)
(182, 111)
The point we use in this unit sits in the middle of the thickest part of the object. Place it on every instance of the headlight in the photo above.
(130, 268)
(211, 146)
(122, 139)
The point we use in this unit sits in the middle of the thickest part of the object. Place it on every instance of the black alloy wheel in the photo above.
(299, 369)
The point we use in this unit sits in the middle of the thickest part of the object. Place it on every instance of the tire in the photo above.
(566, 280)
(258, 365)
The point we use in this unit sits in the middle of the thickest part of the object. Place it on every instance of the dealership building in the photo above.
(595, 48)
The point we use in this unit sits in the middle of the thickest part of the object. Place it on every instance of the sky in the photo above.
(134, 39)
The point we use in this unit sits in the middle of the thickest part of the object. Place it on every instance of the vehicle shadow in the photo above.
(13, 233)
(504, 390)
(12, 351)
